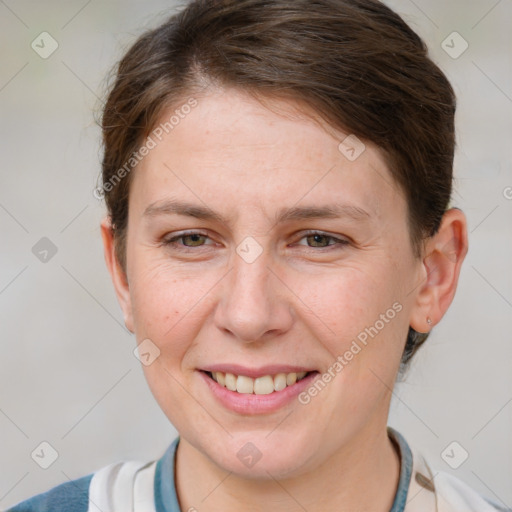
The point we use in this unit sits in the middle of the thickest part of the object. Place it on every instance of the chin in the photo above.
(261, 456)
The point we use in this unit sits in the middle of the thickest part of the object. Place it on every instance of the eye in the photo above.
(190, 239)
(314, 239)
(321, 240)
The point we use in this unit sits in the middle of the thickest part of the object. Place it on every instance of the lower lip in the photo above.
(245, 403)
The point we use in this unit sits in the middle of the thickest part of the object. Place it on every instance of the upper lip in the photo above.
(272, 369)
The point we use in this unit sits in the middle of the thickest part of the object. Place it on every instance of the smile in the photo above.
(265, 392)
(259, 386)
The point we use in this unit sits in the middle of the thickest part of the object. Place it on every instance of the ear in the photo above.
(444, 254)
(119, 278)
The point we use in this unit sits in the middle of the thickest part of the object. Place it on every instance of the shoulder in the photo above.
(423, 487)
(444, 491)
(121, 486)
(72, 496)
(454, 494)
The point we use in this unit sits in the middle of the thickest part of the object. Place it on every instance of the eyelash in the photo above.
(172, 242)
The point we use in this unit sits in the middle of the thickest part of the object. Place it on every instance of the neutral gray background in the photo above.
(68, 375)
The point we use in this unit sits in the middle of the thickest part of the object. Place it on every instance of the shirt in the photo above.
(150, 487)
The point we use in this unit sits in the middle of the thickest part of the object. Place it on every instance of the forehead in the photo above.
(231, 148)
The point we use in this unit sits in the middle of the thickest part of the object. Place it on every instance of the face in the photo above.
(255, 248)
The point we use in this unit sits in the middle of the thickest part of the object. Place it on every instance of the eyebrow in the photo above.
(334, 211)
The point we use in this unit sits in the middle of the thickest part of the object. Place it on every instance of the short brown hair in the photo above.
(355, 62)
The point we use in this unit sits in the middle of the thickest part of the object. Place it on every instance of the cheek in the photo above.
(167, 305)
(169, 309)
(358, 316)
(345, 301)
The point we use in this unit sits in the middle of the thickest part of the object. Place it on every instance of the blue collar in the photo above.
(405, 470)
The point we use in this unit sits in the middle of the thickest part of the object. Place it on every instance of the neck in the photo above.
(363, 476)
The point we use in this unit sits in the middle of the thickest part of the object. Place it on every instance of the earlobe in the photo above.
(119, 278)
(444, 254)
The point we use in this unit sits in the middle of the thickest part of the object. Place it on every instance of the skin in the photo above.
(302, 301)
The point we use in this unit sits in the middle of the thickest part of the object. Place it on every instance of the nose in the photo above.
(255, 304)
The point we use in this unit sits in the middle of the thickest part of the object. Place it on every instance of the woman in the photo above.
(277, 176)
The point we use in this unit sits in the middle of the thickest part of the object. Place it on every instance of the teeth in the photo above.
(219, 377)
(279, 381)
(263, 385)
(259, 386)
(244, 384)
(230, 381)
(291, 378)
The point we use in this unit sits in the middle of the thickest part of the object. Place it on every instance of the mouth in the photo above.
(263, 385)
(256, 391)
